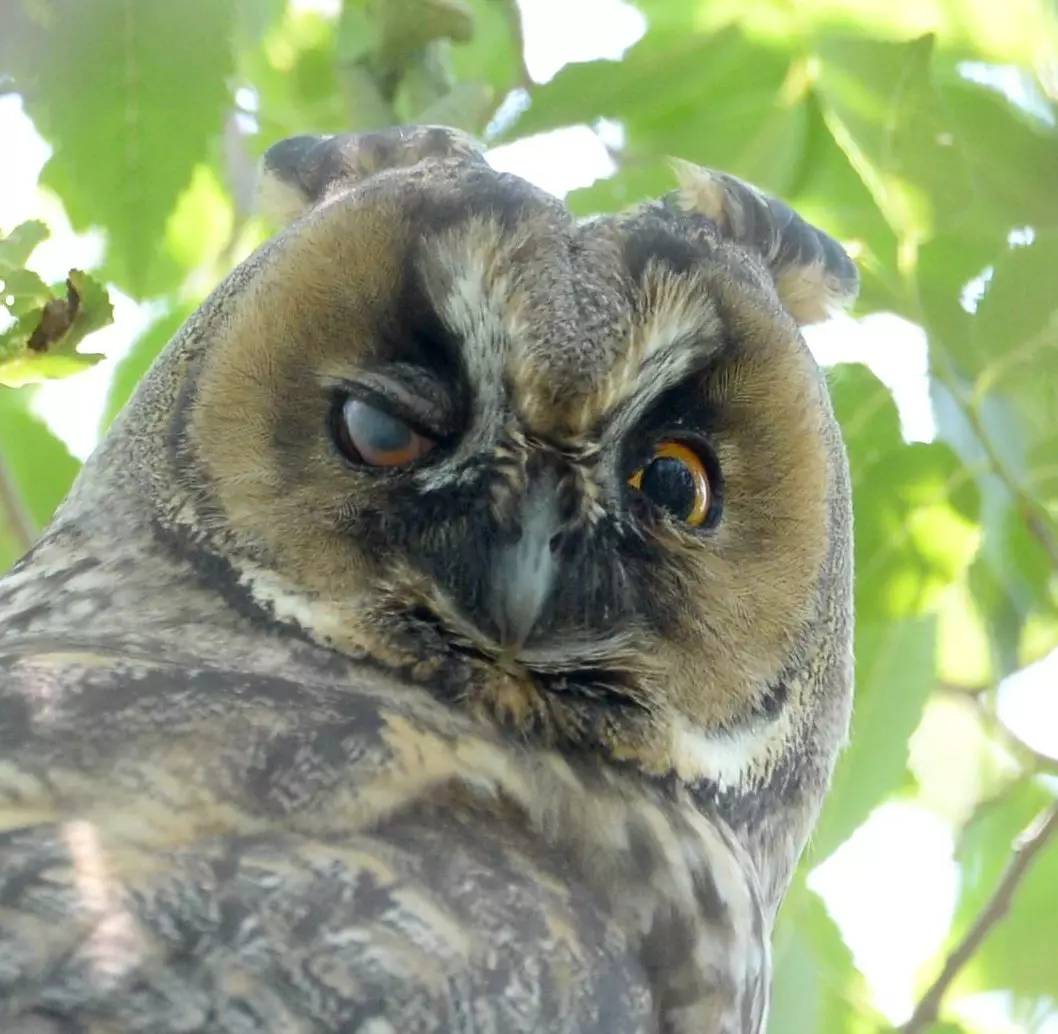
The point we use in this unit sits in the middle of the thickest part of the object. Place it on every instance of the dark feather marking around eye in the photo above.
(421, 359)
(413, 335)
(683, 406)
(414, 331)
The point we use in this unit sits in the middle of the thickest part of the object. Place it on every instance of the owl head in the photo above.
(580, 479)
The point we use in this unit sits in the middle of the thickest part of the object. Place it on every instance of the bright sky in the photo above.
(892, 887)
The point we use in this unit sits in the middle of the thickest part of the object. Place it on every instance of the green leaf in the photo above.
(200, 226)
(18, 245)
(1013, 348)
(866, 412)
(830, 193)
(93, 309)
(1018, 953)
(913, 538)
(1009, 346)
(982, 29)
(879, 103)
(894, 674)
(466, 106)
(491, 55)
(254, 19)
(424, 79)
(25, 369)
(310, 76)
(406, 26)
(690, 95)
(1009, 155)
(1009, 578)
(995, 396)
(138, 361)
(42, 343)
(936, 155)
(359, 33)
(916, 505)
(633, 183)
(23, 291)
(38, 468)
(130, 96)
(816, 987)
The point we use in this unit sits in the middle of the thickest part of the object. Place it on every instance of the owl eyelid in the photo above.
(401, 406)
(356, 445)
(674, 431)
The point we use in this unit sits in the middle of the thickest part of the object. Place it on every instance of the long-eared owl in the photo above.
(452, 634)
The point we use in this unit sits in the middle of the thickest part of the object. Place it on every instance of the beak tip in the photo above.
(521, 585)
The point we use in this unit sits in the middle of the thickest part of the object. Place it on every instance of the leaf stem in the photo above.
(1025, 849)
(14, 512)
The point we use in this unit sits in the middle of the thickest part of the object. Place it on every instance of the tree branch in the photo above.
(14, 512)
(1026, 847)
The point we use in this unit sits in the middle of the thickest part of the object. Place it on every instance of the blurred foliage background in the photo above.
(922, 134)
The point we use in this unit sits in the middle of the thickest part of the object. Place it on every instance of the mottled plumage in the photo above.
(485, 742)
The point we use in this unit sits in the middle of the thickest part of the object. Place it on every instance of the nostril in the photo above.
(557, 541)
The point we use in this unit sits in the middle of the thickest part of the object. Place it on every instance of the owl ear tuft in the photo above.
(813, 275)
(301, 171)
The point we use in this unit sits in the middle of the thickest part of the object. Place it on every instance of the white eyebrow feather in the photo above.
(679, 314)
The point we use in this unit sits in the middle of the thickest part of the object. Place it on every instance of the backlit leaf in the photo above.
(39, 469)
(129, 96)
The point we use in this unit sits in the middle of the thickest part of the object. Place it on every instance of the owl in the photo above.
(452, 634)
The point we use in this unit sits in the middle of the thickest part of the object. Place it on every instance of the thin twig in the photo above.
(1029, 844)
(961, 692)
(14, 512)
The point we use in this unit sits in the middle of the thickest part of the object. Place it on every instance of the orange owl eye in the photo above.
(370, 435)
(676, 480)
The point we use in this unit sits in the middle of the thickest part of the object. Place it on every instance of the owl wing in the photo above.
(158, 872)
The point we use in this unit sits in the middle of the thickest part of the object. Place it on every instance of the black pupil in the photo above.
(669, 483)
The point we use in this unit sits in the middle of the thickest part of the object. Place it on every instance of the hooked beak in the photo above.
(524, 571)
